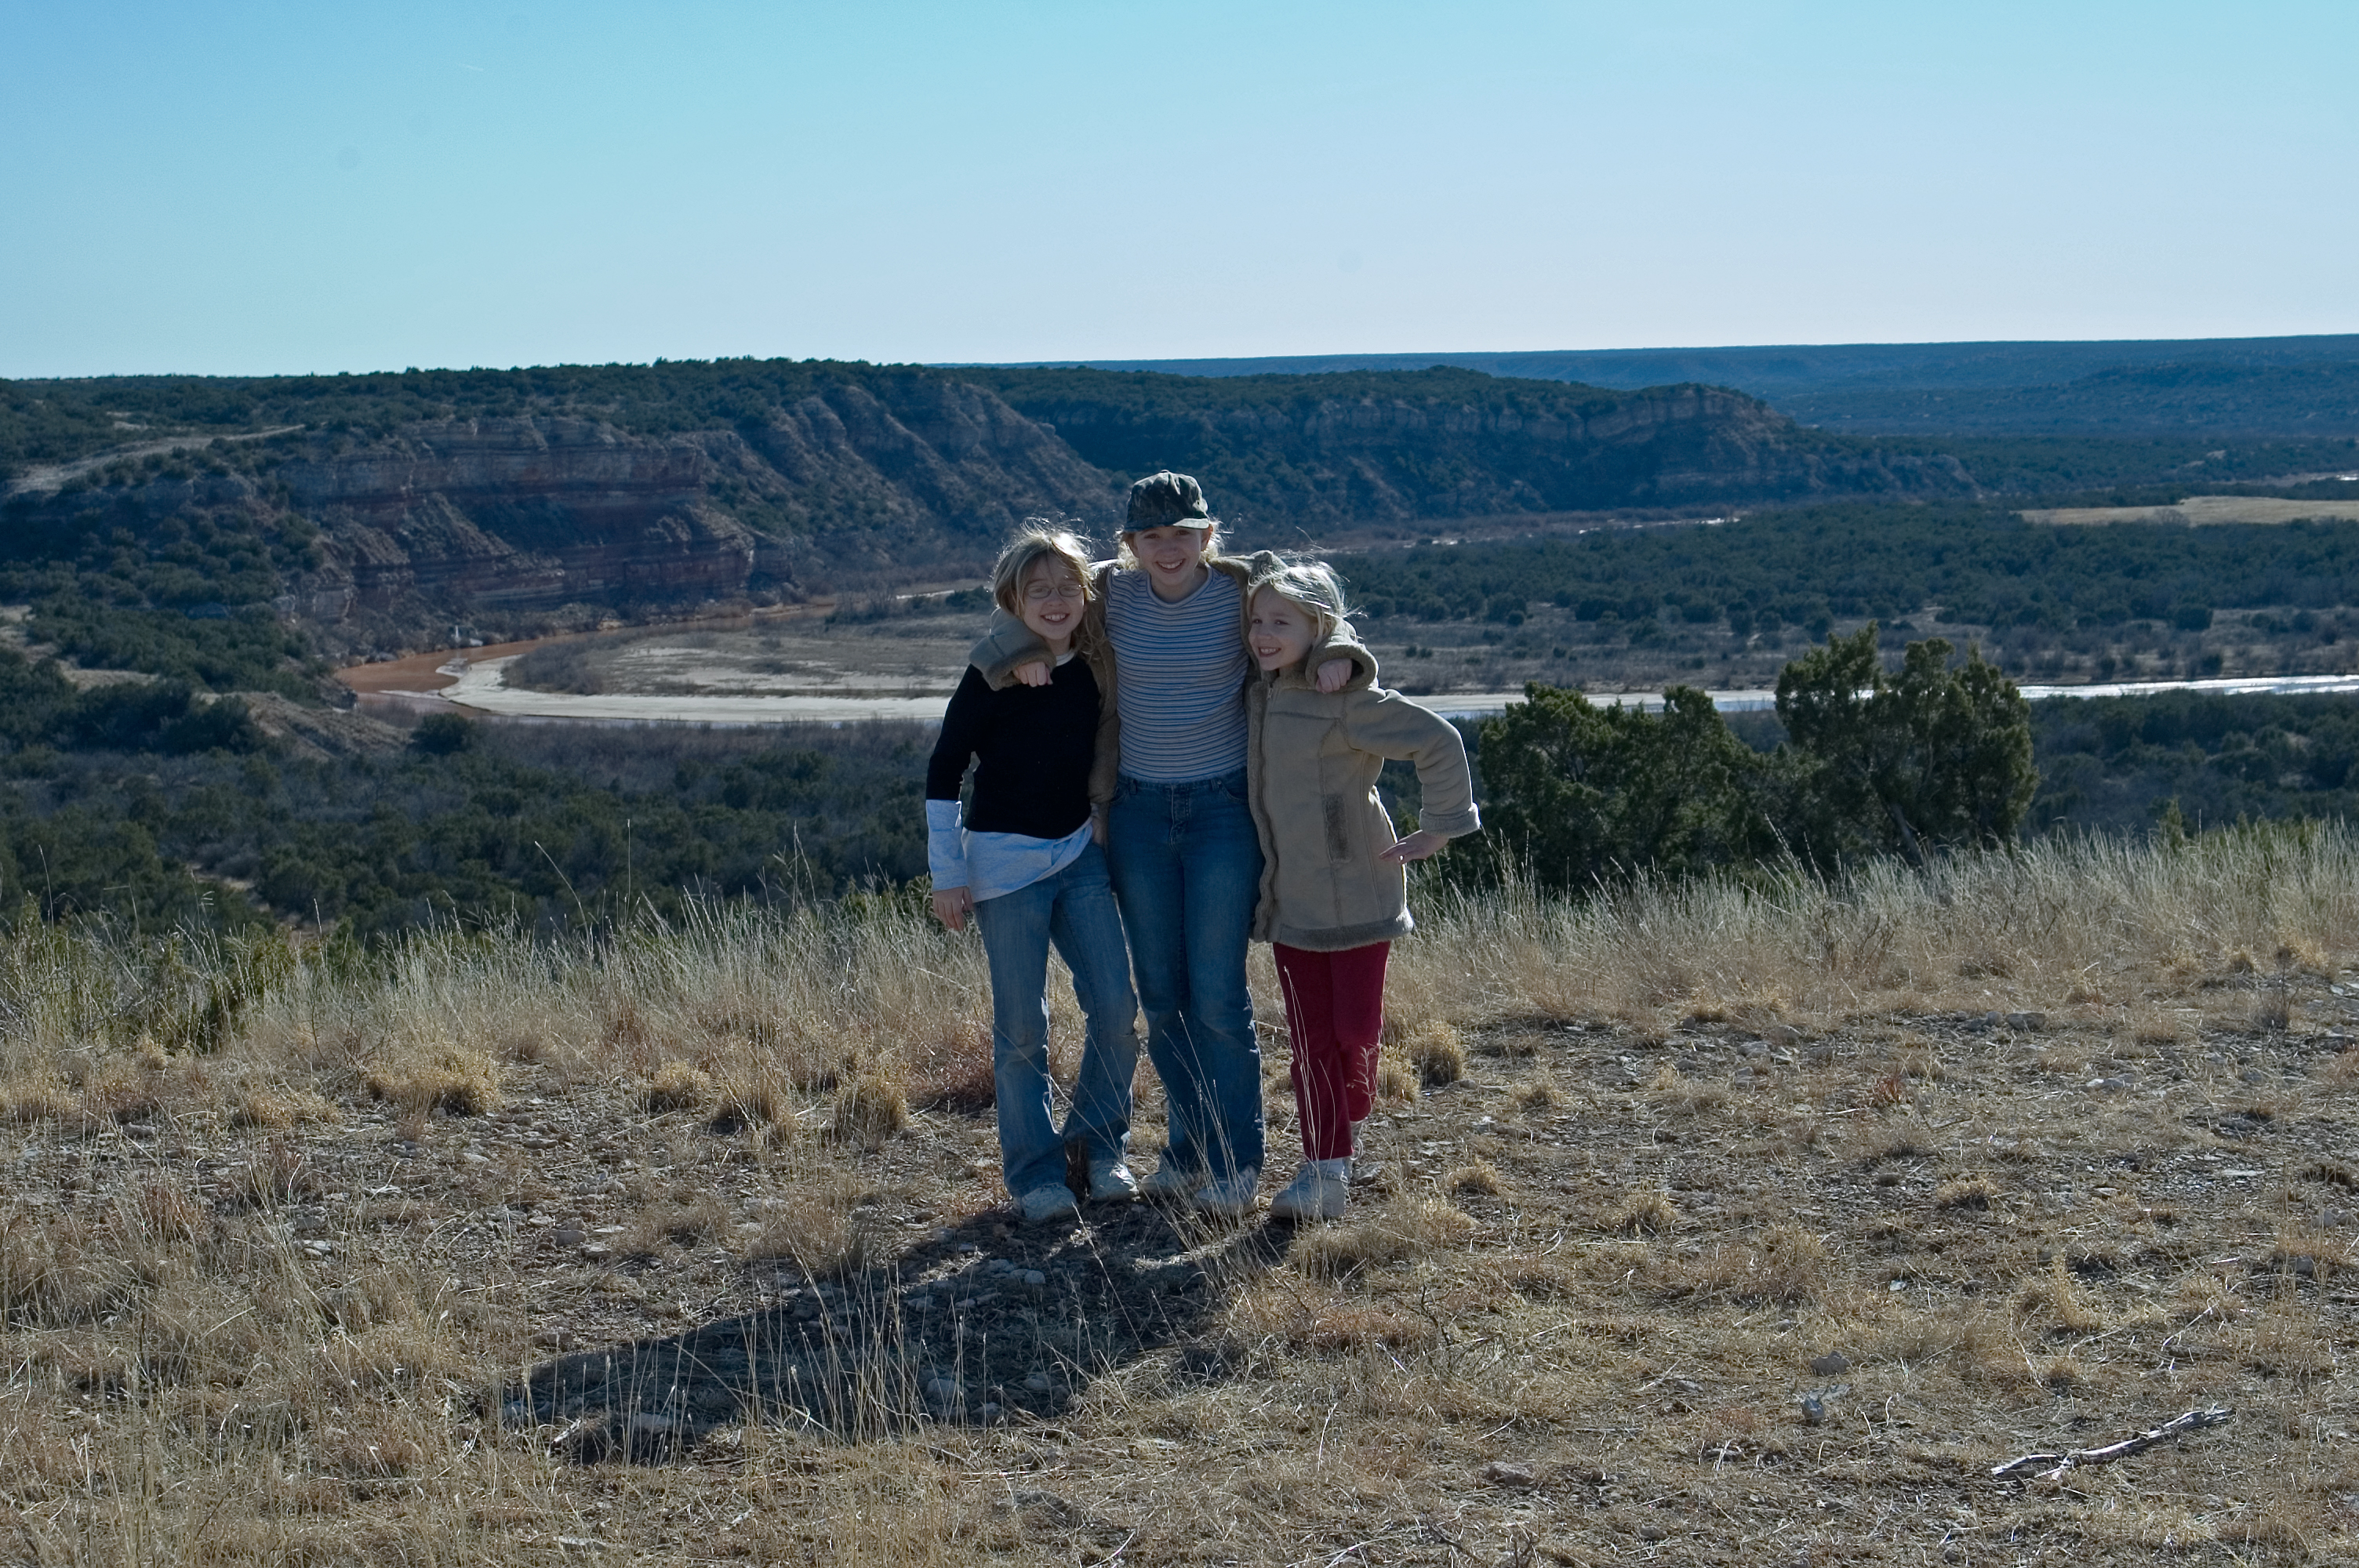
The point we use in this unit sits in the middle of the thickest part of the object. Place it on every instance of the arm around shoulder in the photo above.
(1344, 644)
(1009, 642)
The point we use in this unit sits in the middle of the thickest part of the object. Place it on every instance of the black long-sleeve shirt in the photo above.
(1034, 746)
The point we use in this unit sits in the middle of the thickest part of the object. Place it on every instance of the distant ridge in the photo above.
(1775, 371)
(2305, 387)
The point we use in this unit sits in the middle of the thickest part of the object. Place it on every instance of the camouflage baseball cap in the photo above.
(1168, 500)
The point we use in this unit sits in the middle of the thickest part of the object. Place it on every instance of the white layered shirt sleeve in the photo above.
(991, 865)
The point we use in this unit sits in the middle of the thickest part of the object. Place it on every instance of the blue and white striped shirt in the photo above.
(1181, 671)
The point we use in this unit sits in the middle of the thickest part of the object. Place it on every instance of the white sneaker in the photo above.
(1319, 1191)
(1230, 1197)
(1042, 1205)
(1170, 1182)
(1111, 1181)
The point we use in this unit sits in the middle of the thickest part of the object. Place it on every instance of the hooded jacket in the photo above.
(1312, 759)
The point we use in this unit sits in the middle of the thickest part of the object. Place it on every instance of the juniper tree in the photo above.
(1579, 794)
(1930, 756)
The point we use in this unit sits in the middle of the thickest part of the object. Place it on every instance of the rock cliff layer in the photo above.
(487, 496)
(1445, 443)
(521, 512)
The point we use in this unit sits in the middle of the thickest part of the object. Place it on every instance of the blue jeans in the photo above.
(1074, 909)
(1187, 867)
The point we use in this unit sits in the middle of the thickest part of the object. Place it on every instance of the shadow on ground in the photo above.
(979, 1323)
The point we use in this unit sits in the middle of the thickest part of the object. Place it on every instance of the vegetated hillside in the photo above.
(417, 500)
(2120, 762)
(1980, 562)
(1777, 371)
(370, 512)
(2180, 397)
(1367, 447)
(2286, 388)
(134, 806)
(2098, 469)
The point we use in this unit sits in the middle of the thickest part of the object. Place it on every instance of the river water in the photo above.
(482, 689)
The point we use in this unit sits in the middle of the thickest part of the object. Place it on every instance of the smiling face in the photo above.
(1052, 604)
(1173, 560)
(1280, 631)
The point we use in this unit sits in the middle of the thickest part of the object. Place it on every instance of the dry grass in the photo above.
(252, 1297)
(1434, 1049)
(677, 1086)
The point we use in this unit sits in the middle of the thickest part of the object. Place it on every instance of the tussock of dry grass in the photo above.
(677, 1086)
(1433, 1048)
(277, 1106)
(1644, 1214)
(1967, 1191)
(1396, 1081)
(2053, 1301)
(871, 1107)
(1479, 1179)
(446, 1078)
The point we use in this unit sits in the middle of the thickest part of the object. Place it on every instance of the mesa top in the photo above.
(1180, 672)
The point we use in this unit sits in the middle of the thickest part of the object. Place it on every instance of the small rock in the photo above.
(555, 1339)
(1039, 1382)
(1499, 1473)
(1831, 1364)
(2109, 1086)
(1813, 1410)
(1783, 1036)
(596, 1249)
(1034, 1278)
(990, 1411)
(472, 1158)
(1897, 1285)
(2026, 1022)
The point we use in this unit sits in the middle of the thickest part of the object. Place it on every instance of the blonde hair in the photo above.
(1312, 587)
(1037, 540)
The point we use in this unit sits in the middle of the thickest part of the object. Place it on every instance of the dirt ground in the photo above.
(1723, 1292)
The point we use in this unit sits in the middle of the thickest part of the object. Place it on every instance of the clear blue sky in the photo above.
(236, 188)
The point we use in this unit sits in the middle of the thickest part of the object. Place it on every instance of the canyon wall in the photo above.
(389, 505)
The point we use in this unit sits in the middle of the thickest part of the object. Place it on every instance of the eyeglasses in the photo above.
(1041, 592)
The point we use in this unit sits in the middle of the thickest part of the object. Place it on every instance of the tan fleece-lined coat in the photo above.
(1312, 759)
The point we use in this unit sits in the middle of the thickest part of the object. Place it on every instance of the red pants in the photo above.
(1335, 1010)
